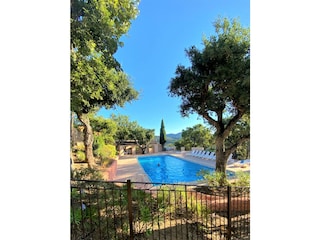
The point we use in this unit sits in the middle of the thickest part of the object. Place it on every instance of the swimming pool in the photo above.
(170, 169)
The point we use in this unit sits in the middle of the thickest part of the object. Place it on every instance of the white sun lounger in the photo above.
(207, 155)
(200, 154)
(204, 155)
(196, 153)
(212, 156)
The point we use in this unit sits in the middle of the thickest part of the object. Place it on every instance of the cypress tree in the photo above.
(163, 137)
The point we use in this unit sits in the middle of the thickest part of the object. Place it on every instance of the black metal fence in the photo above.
(137, 210)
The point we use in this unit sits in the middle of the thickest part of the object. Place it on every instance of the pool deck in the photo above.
(129, 168)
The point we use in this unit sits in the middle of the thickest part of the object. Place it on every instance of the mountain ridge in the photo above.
(171, 137)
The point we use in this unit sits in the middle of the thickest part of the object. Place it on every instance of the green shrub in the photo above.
(79, 146)
(106, 151)
(215, 179)
(242, 179)
(173, 200)
(86, 174)
(81, 156)
(98, 141)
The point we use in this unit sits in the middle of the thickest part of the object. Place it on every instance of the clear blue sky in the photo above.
(155, 45)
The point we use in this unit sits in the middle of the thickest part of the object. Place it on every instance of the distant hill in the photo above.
(174, 135)
(171, 138)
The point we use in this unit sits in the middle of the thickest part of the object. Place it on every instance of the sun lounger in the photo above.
(191, 153)
(196, 153)
(205, 155)
(212, 156)
(200, 154)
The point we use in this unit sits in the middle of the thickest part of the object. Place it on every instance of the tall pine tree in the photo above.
(163, 136)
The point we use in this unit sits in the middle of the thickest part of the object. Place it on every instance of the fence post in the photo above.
(185, 190)
(130, 209)
(229, 213)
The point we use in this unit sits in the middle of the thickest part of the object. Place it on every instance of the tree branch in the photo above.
(232, 148)
(231, 123)
(210, 120)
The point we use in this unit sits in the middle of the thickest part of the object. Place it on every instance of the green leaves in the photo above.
(96, 77)
(219, 75)
(197, 136)
(217, 85)
(128, 130)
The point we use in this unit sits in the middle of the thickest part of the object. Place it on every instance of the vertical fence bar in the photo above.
(114, 213)
(197, 215)
(130, 208)
(158, 207)
(181, 211)
(106, 211)
(185, 190)
(121, 206)
(98, 211)
(175, 212)
(170, 216)
(83, 209)
(229, 213)
(89, 188)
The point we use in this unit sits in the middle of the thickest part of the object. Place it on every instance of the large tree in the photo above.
(217, 84)
(143, 137)
(197, 136)
(163, 135)
(97, 79)
(125, 129)
(131, 130)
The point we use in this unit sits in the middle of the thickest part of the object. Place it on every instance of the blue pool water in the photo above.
(170, 169)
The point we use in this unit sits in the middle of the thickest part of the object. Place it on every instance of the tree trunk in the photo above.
(71, 131)
(88, 139)
(71, 142)
(221, 158)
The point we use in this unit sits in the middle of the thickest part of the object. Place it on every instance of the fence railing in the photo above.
(138, 210)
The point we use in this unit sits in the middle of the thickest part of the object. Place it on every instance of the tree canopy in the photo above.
(106, 128)
(97, 78)
(217, 84)
(196, 136)
(143, 137)
(131, 130)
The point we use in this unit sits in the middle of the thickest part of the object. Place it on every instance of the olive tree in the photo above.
(217, 84)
